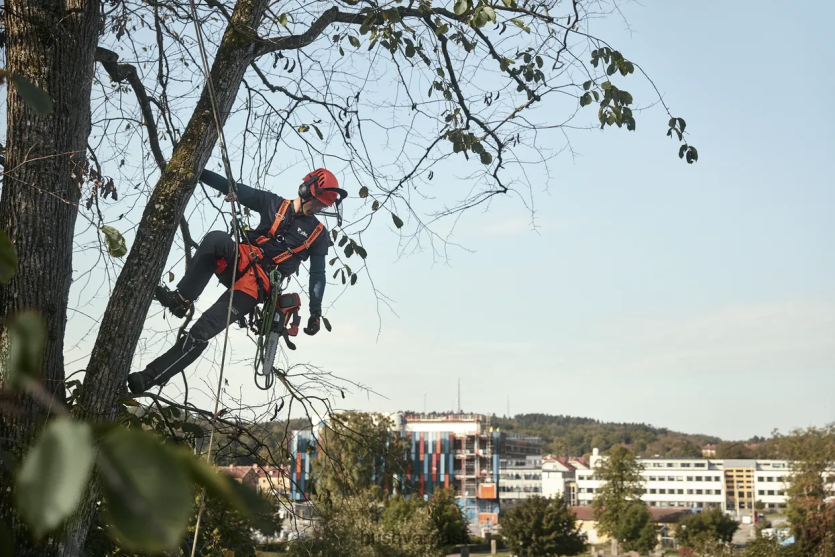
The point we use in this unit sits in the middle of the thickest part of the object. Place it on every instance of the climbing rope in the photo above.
(233, 199)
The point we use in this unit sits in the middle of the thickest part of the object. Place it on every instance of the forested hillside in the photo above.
(573, 436)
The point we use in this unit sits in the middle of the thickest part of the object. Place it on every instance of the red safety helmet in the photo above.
(323, 186)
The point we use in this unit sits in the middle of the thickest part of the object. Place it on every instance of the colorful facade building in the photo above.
(458, 451)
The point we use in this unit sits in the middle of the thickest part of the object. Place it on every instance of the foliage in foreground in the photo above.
(149, 486)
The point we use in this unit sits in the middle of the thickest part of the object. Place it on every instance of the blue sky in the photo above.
(700, 298)
(695, 297)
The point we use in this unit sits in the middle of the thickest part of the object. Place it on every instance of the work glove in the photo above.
(312, 325)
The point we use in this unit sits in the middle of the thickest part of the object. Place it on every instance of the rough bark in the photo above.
(51, 44)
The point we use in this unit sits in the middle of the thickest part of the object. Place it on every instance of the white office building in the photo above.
(519, 478)
(559, 477)
(732, 485)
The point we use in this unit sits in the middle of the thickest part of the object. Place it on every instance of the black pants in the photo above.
(216, 245)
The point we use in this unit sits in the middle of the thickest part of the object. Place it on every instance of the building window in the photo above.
(681, 492)
(700, 465)
(652, 478)
(662, 491)
(769, 479)
(689, 492)
(689, 478)
(771, 492)
(670, 465)
(698, 478)
(671, 478)
(652, 491)
(781, 493)
(761, 492)
(685, 465)
(699, 492)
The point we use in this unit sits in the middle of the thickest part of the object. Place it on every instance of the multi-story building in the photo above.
(520, 477)
(458, 451)
(559, 477)
(732, 485)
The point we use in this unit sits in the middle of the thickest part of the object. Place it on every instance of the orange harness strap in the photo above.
(307, 243)
(279, 217)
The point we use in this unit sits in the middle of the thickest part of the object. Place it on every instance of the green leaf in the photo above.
(672, 122)
(147, 490)
(34, 96)
(326, 323)
(343, 240)
(587, 85)
(349, 251)
(7, 545)
(318, 131)
(508, 3)
(375, 205)
(303, 128)
(363, 192)
(596, 95)
(585, 99)
(361, 251)
(625, 97)
(410, 51)
(490, 13)
(486, 158)
(353, 280)
(282, 20)
(63, 455)
(682, 150)
(606, 85)
(194, 429)
(692, 155)
(460, 7)
(539, 62)
(116, 245)
(355, 42)
(521, 24)
(397, 222)
(8, 259)
(681, 124)
(27, 335)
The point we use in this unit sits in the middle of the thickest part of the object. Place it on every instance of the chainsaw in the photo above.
(279, 319)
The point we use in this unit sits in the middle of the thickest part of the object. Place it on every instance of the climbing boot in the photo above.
(139, 382)
(172, 300)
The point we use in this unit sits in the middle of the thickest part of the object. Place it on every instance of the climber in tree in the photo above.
(288, 234)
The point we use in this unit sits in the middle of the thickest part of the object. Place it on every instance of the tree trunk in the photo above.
(51, 44)
(128, 306)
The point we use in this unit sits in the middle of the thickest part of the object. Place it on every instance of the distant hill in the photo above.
(573, 436)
